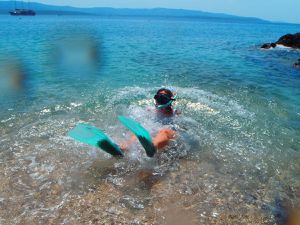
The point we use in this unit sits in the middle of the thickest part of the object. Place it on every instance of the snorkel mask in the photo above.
(163, 100)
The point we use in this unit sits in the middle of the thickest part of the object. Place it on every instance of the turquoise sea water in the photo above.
(237, 153)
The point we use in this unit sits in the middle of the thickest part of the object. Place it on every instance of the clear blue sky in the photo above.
(275, 10)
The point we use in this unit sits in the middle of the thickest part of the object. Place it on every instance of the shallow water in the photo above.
(236, 157)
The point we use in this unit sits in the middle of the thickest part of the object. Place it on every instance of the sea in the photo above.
(236, 155)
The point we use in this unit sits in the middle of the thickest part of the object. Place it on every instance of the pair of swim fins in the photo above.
(93, 136)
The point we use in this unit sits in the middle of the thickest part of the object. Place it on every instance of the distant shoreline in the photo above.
(43, 9)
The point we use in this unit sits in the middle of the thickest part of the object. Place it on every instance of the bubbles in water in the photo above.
(215, 160)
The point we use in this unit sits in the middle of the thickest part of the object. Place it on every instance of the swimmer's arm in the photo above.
(163, 138)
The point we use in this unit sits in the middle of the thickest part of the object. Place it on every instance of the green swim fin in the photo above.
(141, 133)
(93, 136)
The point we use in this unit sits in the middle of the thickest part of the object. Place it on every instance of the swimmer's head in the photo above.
(164, 98)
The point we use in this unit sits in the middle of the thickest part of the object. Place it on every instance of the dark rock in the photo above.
(273, 45)
(290, 40)
(268, 45)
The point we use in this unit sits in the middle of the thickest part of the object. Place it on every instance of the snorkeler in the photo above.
(163, 102)
(94, 136)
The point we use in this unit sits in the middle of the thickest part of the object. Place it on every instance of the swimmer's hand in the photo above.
(163, 138)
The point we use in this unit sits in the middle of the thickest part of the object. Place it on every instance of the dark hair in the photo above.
(163, 96)
(167, 91)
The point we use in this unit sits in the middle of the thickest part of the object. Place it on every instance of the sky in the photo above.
(274, 10)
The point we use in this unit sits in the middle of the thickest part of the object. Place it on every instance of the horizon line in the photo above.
(153, 8)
